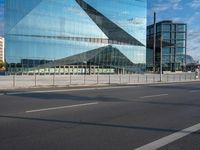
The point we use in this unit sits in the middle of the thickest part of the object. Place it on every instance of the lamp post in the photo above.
(161, 58)
(154, 43)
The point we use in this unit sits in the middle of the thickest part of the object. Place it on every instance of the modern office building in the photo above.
(174, 39)
(76, 34)
(2, 49)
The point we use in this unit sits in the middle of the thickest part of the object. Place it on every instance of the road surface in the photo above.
(165, 117)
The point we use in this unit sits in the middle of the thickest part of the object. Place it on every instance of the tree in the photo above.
(1, 64)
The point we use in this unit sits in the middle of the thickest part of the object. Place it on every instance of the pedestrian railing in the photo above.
(36, 80)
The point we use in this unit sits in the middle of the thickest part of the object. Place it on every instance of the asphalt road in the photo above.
(165, 117)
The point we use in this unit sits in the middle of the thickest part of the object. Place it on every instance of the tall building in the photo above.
(1, 49)
(174, 39)
(75, 33)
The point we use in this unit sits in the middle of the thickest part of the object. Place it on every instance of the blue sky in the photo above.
(186, 11)
(1, 16)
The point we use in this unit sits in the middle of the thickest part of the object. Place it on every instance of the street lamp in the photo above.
(161, 58)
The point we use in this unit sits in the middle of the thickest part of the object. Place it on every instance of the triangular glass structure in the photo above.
(108, 56)
(112, 30)
(57, 18)
(13, 16)
(55, 26)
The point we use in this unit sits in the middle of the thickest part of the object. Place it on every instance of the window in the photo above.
(173, 28)
(180, 28)
(180, 36)
(166, 35)
(172, 35)
(180, 43)
(158, 28)
(166, 27)
(166, 51)
(180, 51)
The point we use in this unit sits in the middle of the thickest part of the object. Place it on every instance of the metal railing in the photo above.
(36, 80)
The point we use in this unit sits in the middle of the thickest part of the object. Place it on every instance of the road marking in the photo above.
(150, 96)
(61, 107)
(171, 138)
(69, 90)
(194, 91)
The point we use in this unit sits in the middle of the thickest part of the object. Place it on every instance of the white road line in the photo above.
(171, 138)
(60, 107)
(150, 96)
(69, 90)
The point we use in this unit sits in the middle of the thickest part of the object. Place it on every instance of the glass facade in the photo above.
(59, 33)
(174, 37)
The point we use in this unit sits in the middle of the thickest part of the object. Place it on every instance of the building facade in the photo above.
(2, 49)
(75, 34)
(173, 43)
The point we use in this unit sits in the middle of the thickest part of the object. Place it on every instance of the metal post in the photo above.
(161, 58)
(199, 75)
(54, 79)
(186, 49)
(167, 77)
(14, 80)
(120, 79)
(97, 78)
(84, 76)
(98, 75)
(146, 78)
(70, 79)
(35, 80)
(109, 78)
(154, 44)
(185, 76)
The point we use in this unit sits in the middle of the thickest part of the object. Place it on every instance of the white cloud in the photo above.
(193, 46)
(195, 4)
(175, 4)
(191, 20)
(137, 20)
(163, 5)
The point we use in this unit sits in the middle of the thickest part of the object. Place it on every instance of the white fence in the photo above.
(28, 81)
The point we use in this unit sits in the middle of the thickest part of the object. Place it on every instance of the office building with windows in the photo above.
(173, 43)
(2, 49)
(108, 36)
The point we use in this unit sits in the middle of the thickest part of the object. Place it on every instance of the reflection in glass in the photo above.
(42, 32)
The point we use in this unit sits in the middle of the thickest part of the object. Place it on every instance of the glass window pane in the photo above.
(180, 43)
(166, 51)
(180, 36)
(166, 27)
(180, 28)
(166, 35)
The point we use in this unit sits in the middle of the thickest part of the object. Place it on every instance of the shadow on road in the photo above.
(70, 97)
(168, 103)
(178, 87)
(97, 124)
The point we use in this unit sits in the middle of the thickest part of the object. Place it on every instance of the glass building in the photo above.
(174, 39)
(46, 34)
